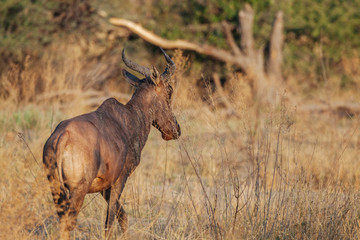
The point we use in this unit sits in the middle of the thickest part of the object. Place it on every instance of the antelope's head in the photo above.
(161, 89)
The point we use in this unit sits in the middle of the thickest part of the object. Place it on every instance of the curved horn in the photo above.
(170, 68)
(133, 80)
(134, 66)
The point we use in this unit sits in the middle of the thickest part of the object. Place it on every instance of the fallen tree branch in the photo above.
(150, 37)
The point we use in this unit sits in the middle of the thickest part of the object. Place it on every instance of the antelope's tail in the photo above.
(59, 158)
(53, 163)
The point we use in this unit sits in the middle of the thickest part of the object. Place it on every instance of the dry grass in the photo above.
(264, 174)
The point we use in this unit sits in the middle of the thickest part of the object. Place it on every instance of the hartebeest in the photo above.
(97, 151)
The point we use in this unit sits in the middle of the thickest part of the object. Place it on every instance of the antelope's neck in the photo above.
(141, 111)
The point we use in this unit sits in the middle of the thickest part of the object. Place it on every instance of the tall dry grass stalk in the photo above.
(263, 174)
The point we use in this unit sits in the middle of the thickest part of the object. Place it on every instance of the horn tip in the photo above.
(123, 53)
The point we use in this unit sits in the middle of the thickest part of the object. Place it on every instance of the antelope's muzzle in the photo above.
(173, 133)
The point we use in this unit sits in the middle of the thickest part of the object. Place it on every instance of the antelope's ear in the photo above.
(133, 80)
(155, 76)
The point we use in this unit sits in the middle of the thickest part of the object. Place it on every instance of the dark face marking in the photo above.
(165, 120)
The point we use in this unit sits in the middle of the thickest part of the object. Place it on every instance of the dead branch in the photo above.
(150, 37)
(230, 39)
(246, 21)
(275, 51)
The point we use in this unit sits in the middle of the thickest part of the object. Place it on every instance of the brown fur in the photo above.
(97, 151)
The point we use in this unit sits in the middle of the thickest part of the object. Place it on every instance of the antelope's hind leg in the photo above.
(68, 221)
(68, 204)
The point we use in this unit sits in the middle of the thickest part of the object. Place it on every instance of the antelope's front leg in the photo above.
(112, 196)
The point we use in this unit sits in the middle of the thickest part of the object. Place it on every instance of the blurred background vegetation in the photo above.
(270, 173)
(318, 34)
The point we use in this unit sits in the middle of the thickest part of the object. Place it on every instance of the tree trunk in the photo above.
(275, 51)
